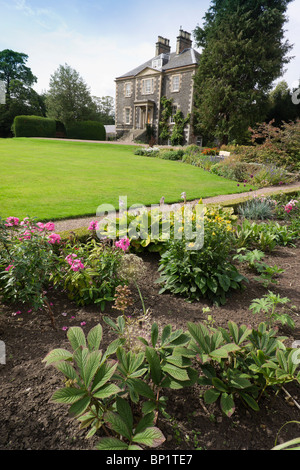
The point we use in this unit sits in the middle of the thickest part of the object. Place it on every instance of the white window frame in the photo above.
(175, 83)
(174, 111)
(147, 90)
(128, 89)
(127, 116)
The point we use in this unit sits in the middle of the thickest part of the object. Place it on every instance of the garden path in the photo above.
(71, 224)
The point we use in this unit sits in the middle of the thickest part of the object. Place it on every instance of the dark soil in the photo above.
(29, 421)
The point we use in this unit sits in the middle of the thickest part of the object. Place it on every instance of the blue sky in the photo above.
(106, 38)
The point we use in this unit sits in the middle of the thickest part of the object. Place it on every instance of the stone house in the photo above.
(139, 91)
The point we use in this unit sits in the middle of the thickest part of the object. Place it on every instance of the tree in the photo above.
(20, 98)
(105, 109)
(281, 106)
(68, 98)
(243, 53)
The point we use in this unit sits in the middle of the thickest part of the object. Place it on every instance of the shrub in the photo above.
(206, 272)
(28, 259)
(86, 130)
(33, 126)
(258, 208)
(171, 154)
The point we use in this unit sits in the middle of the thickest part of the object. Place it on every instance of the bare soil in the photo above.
(29, 421)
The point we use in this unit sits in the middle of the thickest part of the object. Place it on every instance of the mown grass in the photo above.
(53, 179)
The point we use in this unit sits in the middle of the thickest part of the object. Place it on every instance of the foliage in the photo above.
(241, 362)
(89, 130)
(88, 272)
(234, 76)
(278, 145)
(20, 97)
(166, 112)
(197, 272)
(68, 98)
(281, 106)
(33, 126)
(27, 260)
(177, 135)
(258, 208)
(268, 305)
(265, 236)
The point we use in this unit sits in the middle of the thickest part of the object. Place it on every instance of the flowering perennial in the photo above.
(74, 262)
(123, 244)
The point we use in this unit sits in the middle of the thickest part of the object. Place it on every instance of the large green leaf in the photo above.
(67, 395)
(111, 443)
(76, 337)
(117, 424)
(57, 355)
(154, 363)
(94, 337)
(151, 437)
(227, 404)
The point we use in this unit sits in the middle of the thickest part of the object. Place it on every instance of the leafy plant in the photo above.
(28, 257)
(257, 209)
(268, 305)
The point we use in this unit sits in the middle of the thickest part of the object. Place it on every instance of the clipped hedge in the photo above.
(87, 130)
(33, 126)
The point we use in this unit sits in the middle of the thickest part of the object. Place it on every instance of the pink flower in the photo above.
(64, 328)
(123, 243)
(12, 221)
(83, 323)
(53, 238)
(93, 225)
(49, 226)
(25, 221)
(9, 267)
(41, 226)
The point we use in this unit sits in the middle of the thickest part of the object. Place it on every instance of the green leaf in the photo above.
(219, 385)
(176, 372)
(111, 443)
(154, 363)
(68, 370)
(107, 391)
(94, 337)
(67, 395)
(250, 401)
(154, 334)
(91, 366)
(103, 375)
(227, 404)
(117, 424)
(76, 337)
(211, 395)
(57, 355)
(151, 437)
(124, 410)
(80, 406)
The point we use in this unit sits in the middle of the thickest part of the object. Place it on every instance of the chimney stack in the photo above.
(162, 46)
(183, 41)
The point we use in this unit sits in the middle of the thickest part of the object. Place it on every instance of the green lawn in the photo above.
(52, 179)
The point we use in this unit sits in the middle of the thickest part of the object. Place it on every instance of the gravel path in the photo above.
(71, 224)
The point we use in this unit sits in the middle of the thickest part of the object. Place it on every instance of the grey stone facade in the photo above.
(139, 92)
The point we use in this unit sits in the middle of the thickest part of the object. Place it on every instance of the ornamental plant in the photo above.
(94, 387)
(241, 364)
(28, 259)
(89, 272)
(207, 272)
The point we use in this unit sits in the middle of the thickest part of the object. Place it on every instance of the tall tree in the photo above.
(68, 98)
(281, 106)
(20, 98)
(244, 51)
(105, 109)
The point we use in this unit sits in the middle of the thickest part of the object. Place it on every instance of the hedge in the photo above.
(33, 126)
(88, 130)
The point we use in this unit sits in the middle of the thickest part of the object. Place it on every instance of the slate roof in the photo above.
(185, 58)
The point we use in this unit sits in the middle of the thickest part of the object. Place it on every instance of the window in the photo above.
(127, 115)
(147, 86)
(128, 89)
(175, 83)
(174, 111)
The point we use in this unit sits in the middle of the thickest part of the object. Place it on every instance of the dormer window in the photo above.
(157, 63)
